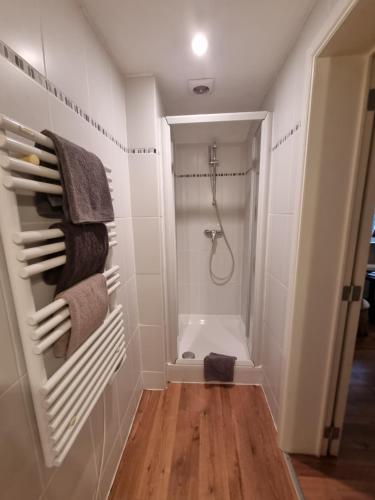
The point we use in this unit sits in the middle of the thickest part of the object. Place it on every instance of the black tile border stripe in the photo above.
(139, 151)
(223, 174)
(286, 136)
(19, 62)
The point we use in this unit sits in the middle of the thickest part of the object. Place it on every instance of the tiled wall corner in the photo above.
(145, 180)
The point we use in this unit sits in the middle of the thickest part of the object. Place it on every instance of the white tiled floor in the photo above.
(205, 333)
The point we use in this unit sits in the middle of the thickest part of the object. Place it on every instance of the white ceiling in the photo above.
(248, 42)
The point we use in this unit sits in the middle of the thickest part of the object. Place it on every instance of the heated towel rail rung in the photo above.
(26, 237)
(81, 351)
(78, 373)
(11, 145)
(60, 325)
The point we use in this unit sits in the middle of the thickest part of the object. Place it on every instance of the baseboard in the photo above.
(293, 476)
(193, 373)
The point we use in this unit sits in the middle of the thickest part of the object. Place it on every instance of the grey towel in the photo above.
(86, 195)
(86, 249)
(49, 205)
(88, 306)
(219, 367)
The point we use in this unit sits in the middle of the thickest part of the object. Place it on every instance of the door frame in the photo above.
(355, 271)
(310, 350)
(169, 239)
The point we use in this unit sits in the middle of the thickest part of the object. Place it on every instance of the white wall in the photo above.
(143, 115)
(55, 38)
(194, 213)
(288, 100)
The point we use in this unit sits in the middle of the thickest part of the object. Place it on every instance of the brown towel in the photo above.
(219, 367)
(86, 195)
(88, 306)
(86, 249)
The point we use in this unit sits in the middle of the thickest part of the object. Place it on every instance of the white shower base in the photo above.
(205, 333)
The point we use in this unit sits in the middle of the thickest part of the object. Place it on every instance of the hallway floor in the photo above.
(195, 441)
(351, 476)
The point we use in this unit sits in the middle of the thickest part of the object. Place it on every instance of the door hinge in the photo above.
(331, 432)
(371, 100)
(351, 293)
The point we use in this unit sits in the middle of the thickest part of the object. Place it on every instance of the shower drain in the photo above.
(188, 355)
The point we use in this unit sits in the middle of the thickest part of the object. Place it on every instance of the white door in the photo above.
(357, 264)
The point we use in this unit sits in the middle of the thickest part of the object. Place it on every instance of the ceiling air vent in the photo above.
(203, 86)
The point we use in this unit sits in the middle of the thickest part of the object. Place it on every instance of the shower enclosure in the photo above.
(213, 236)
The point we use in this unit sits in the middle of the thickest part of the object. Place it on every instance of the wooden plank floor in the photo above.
(196, 442)
(351, 476)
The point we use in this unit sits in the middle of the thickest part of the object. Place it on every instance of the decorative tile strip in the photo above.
(223, 174)
(140, 151)
(41, 80)
(286, 136)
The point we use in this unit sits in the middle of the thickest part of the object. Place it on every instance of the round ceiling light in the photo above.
(199, 44)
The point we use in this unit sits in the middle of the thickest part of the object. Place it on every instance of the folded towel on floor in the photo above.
(86, 196)
(219, 367)
(88, 306)
(86, 249)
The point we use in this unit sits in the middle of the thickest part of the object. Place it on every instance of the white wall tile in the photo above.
(128, 419)
(129, 248)
(112, 421)
(17, 454)
(278, 257)
(110, 468)
(9, 372)
(18, 91)
(272, 362)
(147, 245)
(66, 123)
(20, 29)
(150, 299)
(76, 477)
(99, 76)
(144, 181)
(135, 353)
(121, 184)
(141, 111)
(152, 348)
(9, 318)
(281, 180)
(119, 111)
(275, 307)
(126, 380)
(216, 299)
(64, 37)
(132, 304)
(154, 380)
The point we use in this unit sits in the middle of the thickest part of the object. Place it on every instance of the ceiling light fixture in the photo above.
(199, 44)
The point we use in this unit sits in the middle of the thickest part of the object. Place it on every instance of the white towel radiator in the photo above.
(63, 396)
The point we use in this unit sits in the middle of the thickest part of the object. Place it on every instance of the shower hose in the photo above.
(219, 280)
